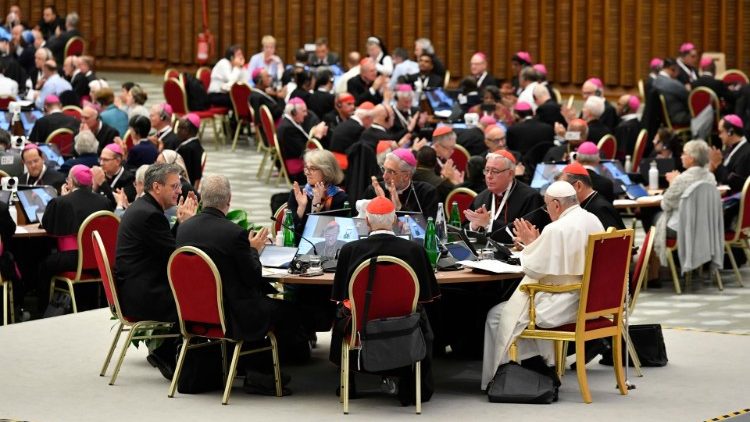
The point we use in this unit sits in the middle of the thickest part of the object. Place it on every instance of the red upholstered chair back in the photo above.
(640, 149)
(608, 146)
(395, 291)
(63, 139)
(269, 128)
(104, 263)
(171, 73)
(240, 96)
(699, 99)
(5, 101)
(279, 216)
(174, 94)
(607, 267)
(104, 222)
(743, 219)
(72, 111)
(464, 197)
(203, 74)
(196, 286)
(128, 138)
(640, 273)
(74, 47)
(734, 76)
(460, 158)
(313, 144)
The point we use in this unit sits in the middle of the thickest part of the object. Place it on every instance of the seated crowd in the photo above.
(383, 143)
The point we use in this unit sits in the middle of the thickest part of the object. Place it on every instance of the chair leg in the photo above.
(12, 305)
(345, 368)
(72, 296)
(125, 347)
(736, 269)
(583, 383)
(418, 384)
(232, 372)
(224, 359)
(513, 352)
(272, 164)
(718, 279)
(560, 358)
(262, 164)
(632, 352)
(673, 269)
(746, 247)
(5, 304)
(617, 357)
(111, 350)
(341, 375)
(276, 365)
(236, 135)
(178, 369)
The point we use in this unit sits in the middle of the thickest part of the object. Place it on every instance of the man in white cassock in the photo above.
(556, 257)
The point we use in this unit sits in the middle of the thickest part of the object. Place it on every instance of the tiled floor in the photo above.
(702, 308)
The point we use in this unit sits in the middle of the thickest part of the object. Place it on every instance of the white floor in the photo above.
(49, 371)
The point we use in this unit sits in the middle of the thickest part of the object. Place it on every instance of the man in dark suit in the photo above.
(62, 219)
(548, 110)
(349, 131)
(732, 166)
(57, 43)
(37, 173)
(343, 108)
(427, 78)
(379, 130)
(593, 110)
(368, 85)
(263, 94)
(52, 120)
(589, 199)
(675, 94)
(472, 139)
(321, 102)
(296, 128)
(111, 174)
(708, 80)
(105, 134)
(249, 312)
(381, 215)
(78, 79)
(687, 61)
(50, 22)
(322, 55)
(587, 155)
(478, 65)
(189, 147)
(143, 150)
(504, 200)
(144, 244)
(630, 126)
(161, 118)
(528, 132)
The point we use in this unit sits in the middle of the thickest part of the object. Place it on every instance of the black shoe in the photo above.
(157, 362)
(594, 348)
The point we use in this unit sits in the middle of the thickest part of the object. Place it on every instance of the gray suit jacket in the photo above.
(676, 96)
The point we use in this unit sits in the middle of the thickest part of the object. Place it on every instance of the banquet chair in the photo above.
(136, 329)
(739, 234)
(460, 157)
(63, 138)
(600, 309)
(395, 293)
(640, 148)
(74, 47)
(608, 146)
(87, 271)
(636, 283)
(464, 197)
(197, 289)
(239, 93)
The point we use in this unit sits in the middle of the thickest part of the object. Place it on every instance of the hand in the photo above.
(569, 113)
(404, 141)
(64, 189)
(258, 239)
(715, 158)
(187, 208)
(121, 198)
(394, 195)
(672, 175)
(422, 119)
(84, 127)
(319, 192)
(559, 129)
(379, 82)
(376, 185)
(419, 144)
(98, 177)
(387, 95)
(301, 198)
(478, 218)
(413, 121)
(319, 130)
(520, 169)
(525, 232)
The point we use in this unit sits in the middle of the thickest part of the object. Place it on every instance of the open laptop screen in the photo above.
(329, 233)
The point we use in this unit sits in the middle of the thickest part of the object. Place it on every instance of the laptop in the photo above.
(52, 155)
(461, 251)
(412, 224)
(277, 256)
(544, 175)
(622, 182)
(34, 201)
(315, 228)
(440, 103)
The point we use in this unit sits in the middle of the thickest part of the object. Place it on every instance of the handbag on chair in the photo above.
(389, 343)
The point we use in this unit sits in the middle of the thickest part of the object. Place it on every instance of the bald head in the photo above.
(379, 115)
(494, 138)
(580, 126)
(541, 94)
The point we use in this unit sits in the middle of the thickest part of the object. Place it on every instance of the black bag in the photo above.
(513, 383)
(389, 343)
(648, 342)
(197, 97)
(202, 370)
(60, 304)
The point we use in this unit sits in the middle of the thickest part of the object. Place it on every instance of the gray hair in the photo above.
(140, 174)
(289, 107)
(588, 158)
(86, 143)
(450, 136)
(402, 165)
(72, 20)
(381, 221)
(327, 163)
(697, 149)
(508, 162)
(541, 93)
(157, 173)
(426, 45)
(215, 191)
(595, 106)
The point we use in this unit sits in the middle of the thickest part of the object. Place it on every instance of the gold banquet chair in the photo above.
(600, 309)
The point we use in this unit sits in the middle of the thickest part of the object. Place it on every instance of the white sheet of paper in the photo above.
(492, 265)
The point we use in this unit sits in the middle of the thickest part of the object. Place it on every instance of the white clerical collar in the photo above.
(742, 142)
(374, 232)
(664, 73)
(377, 126)
(480, 79)
(357, 119)
(630, 116)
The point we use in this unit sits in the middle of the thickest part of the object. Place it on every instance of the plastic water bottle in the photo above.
(653, 176)
(628, 164)
(431, 243)
(440, 223)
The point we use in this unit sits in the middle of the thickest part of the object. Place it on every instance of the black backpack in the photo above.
(197, 97)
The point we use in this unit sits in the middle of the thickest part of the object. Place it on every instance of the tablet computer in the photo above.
(277, 256)
(461, 251)
(34, 201)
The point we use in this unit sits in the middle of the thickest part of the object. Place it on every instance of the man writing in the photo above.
(557, 257)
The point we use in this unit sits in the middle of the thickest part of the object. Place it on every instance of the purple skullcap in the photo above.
(256, 72)
(634, 103)
(541, 68)
(522, 106)
(114, 148)
(706, 62)
(406, 155)
(596, 81)
(733, 120)
(30, 146)
(194, 120)
(524, 56)
(588, 148)
(487, 120)
(656, 62)
(167, 110)
(686, 47)
(51, 99)
(296, 101)
(82, 174)
(404, 88)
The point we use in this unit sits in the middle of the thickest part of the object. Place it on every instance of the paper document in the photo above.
(275, 272)
(492, 265)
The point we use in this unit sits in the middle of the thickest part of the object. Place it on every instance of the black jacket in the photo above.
(736, 171)
(597, 130)
(80, 85)
(321, 103)
(144, 244)
(523, 135)
(473, 140)
(106, 136)
(361, 91)
(50, 177)
(603, 210)
(345, 135)
(51, 122)
(549, 113)
(57, 44)
(247, 310)
(124, 182)
(192, 153)
(603, 185)
(626, 134)
(422, 198)
(524, 202)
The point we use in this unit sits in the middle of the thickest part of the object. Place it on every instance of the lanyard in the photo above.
(401, 118)
(495, 212)
(731, 154)
(117, 177)
(185, 142)
(296, 125)
(164, 133)
(38, 179)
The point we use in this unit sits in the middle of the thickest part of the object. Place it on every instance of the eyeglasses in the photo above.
(496, 140)
(310, 169)
(494, 172)
(105, 159)
(173, 186)
(391, 172)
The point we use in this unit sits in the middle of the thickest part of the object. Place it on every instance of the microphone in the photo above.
(315, 252)
(504, 226)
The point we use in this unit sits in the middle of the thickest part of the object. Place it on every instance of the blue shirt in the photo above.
(55, 85)
(144, 152)
(116, 118)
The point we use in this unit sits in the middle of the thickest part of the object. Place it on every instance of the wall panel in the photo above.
(612, 39)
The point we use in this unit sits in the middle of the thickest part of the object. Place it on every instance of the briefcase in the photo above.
(513, 383)
(648, 342)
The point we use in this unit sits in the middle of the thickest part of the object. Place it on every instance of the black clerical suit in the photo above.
(362, 91)
(626, 134)
(346, 133)
(168, 138)
(105, 135)
(80, 84)
(123, 179)
(524, 135)
(523, 202)
(379, 244)
(48, 177)
(473, 140)
(603, 185)
(603, 210)
(292, 137)
(191, 152)
(737, 170)
(57, 44)
(51, 122)
(259, 98)
(549, 113)
(320, 102)
(144, 244)
(419, 197)
(249, 313)
(597, 130)
(376, 133)
(63, 217)
(609, 117)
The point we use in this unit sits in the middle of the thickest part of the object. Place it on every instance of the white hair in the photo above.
(381, 221)
(426, 45)
(403, 165)
(362, 113)
(508, 162)
(541, 92)
(595, 106)
(86, 143)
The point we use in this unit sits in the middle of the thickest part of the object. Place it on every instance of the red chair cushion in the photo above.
(671, 243)
(592, 324)
(294, 165)
(204, 114)
(342, 159)
(219, 110)
(204, 330)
